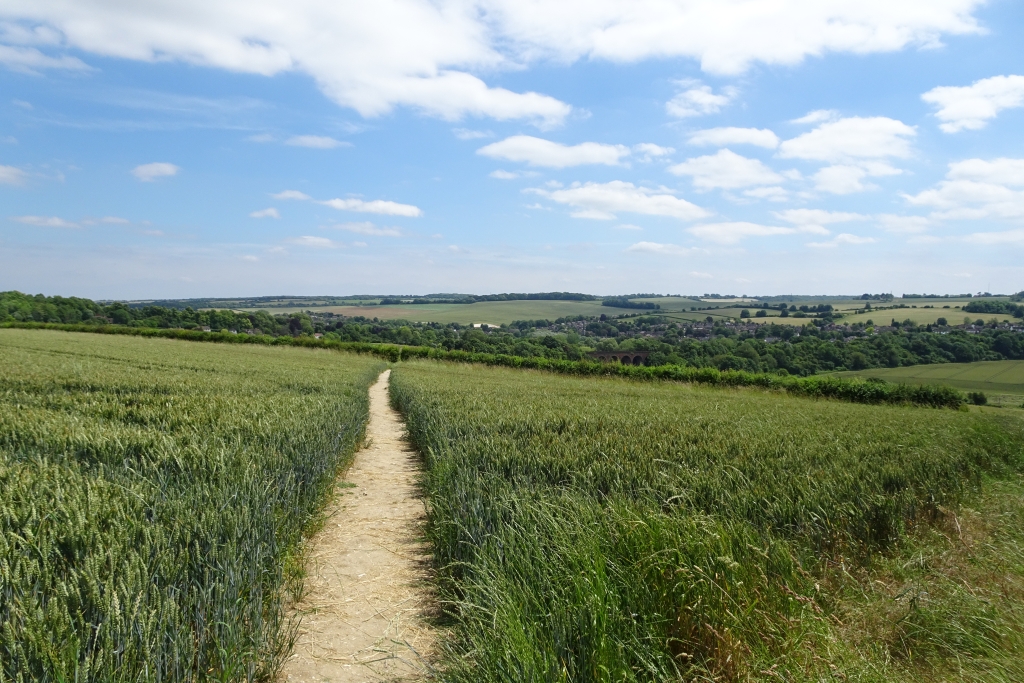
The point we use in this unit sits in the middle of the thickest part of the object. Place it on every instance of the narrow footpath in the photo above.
(362, 615)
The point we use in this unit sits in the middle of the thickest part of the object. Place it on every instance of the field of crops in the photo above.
(151, 493)
(606, 530)
(998, 376)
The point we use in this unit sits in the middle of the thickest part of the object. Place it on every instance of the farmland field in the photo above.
(606, 530)
(999, 377)
(151, 494)
(489, 312)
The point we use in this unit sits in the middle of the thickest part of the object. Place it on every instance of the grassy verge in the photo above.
(601, 530)
(854, 390)
(151, 494)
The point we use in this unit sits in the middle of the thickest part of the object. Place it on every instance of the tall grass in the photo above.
(150, 493)
(604, 530)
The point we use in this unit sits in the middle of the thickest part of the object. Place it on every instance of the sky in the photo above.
(187, 148)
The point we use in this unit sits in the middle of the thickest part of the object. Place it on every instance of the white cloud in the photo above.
(848, 178)
(698, 100)
(903, 224)
(844, 238)
(603, 200)
(627, 226)
(250, 258)
(374, 56)
(291, 194)
(726, 169)
(773, 193)
(1002, 170)
(380, 206)
(817, 216)
(315, 242)
(657, 248)
(467, 134)
(994, 238)
(265, 213)
(512, 175)
(114, 220)
(970, 107)
(315, 142)
(732, 233)
(147, 173)
(9, 175)
(701, 275)
(761, 137)
(367, 228)
(540, 152)
(977, 189)
(648, 151)
(44, 221)
(852, 138)
(30, 60)
(261, 137)
(817, 116)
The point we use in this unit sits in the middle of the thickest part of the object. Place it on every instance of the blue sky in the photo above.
(186, 148)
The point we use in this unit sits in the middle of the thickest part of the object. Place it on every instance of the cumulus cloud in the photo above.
(773, 193)
(265, 213)
(10, 175)
(44, 221)
(849, 178)
(817, 116)
(378, 55)
(602, 201)
(315, 142)
(971, 107)
(760, 137)
(512, 175)
(698, 100)
(540, 152)
(658, 248)
(379, 206)
(147, 173)
(732, 233)
(315, 242)
(891, 222)
(851, 138)
(977, 189)
(818, 217)
(368, 228)
(291, 194)
(844, 238)
(726, 169)
(648, 151)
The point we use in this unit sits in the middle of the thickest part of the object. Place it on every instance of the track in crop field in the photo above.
(362, 613)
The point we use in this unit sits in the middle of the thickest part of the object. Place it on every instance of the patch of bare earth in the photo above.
(366, 593)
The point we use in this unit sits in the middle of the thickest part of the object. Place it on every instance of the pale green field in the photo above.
(922, 316)
(490, 312)
(1001, 380)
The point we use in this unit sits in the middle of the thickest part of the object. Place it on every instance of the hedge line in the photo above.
(857, 391)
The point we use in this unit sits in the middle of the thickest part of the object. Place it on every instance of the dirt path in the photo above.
(365, 589)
